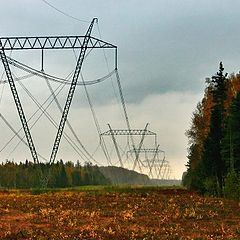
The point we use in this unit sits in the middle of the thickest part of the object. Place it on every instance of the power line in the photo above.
(64, 13)
(1, 81)
(1, 95)
(44, 75)
(102, 142)
(68, 123)
(44, 111)
(17, 134)
(107, 64)
(34, 114)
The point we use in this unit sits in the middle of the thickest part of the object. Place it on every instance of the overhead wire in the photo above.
(32, 71)
(101, 140)
(122, 103)
(161, 166)
(108, 68)
(31, 117)
(1, 95)
(60, 87)
(64, 13)
(17, 134)
(123, 153)
(49, 116)
(44, 75)
(153, 161)
(107, 64)
(87, 155)
(67, 122)
(84, 83)
(94, 152)
(27, 76)
(2, 76)
(91, 156)
(126, 116)
(25, 67)
(64, 81)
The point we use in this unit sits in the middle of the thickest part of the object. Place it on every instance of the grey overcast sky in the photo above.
(166, 49)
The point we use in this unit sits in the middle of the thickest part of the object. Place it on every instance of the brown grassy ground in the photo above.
(135, 214)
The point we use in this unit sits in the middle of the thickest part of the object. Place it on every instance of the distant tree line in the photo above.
(119, 176)
(57, 175)
(214, 139)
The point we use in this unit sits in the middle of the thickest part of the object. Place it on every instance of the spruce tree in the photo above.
(231, 141)
(62, 178)
(213, 163)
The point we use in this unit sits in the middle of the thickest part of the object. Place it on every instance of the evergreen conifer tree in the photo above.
(213, 162)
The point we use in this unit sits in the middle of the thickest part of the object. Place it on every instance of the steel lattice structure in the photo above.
(52, 42)
(142, 133)
(126, 132)
(152, 163)
(146, 150)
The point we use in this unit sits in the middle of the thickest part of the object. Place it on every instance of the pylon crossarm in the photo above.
(147, 150)
(52, 42)
(128, 132)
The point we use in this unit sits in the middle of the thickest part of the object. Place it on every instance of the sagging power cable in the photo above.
(126, 116)
(101, 141)
(51, 119)
(44, 75)
(108, 68)
(57, 91)
(31, 117)
(17, 134)
(67, 122)
(4, 81)
(64, 13)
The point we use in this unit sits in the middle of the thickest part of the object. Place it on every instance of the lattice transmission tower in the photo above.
(83, 43)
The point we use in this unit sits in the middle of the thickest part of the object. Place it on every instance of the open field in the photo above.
(117, 213)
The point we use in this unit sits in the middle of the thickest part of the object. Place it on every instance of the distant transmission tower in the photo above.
(136, 148)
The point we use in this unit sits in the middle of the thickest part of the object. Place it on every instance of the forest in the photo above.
(57, 175)
(213, 166)
(66, 175)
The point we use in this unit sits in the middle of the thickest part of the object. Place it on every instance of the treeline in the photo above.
(214, 139)
(57, 175)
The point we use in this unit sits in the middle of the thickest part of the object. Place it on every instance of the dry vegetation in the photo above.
(121, 213)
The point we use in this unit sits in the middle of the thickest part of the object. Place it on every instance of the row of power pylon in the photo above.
(141, 152)
(137, 155)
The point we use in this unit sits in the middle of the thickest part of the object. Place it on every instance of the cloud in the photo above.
(168, 115)
(165, 51)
